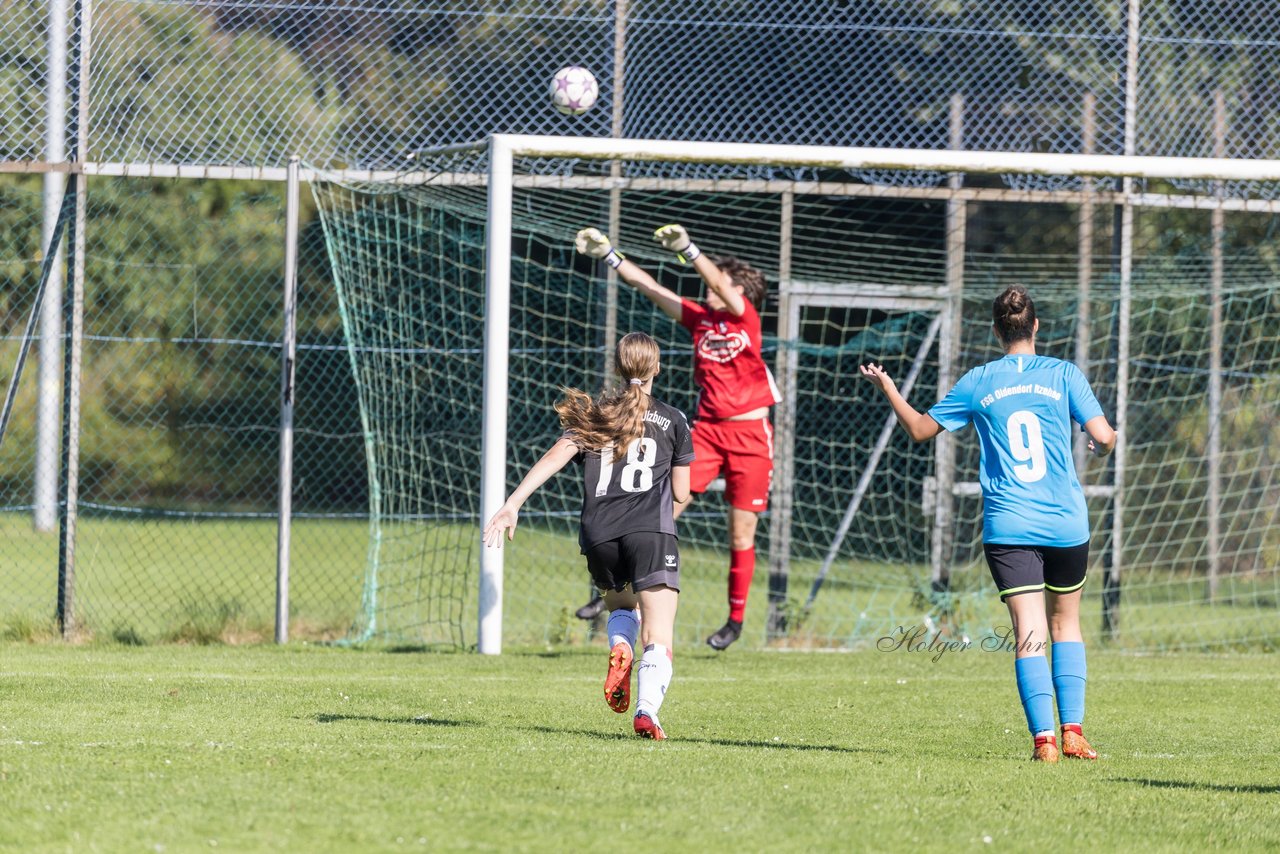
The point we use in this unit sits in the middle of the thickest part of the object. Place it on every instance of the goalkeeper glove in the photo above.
(676, 239)
(593, 243)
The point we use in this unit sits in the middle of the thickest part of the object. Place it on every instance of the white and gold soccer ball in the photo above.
(574, 90)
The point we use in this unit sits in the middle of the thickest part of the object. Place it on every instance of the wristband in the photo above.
(614, 258)
(689, 254)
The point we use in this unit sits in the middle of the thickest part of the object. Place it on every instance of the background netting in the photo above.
(360, 84)
(183, 312)
(408, 264)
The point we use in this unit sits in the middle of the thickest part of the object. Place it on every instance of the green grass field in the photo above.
(185, 748)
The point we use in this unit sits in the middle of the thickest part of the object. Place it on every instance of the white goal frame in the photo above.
(503, 149)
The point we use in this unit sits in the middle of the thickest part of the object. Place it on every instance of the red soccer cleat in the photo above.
(617, 682)
(647, 727)
(1045, 749)
(1074, 745)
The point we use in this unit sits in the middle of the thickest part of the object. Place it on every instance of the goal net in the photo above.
(1163, 291)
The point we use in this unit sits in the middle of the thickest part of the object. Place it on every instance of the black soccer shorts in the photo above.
(1027, 569)
(643, 560)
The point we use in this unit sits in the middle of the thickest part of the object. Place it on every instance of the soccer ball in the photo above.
(573, 90)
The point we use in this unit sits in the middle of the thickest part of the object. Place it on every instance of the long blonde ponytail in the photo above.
(616, 417)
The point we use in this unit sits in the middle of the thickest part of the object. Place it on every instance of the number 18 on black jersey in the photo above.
(630, 492)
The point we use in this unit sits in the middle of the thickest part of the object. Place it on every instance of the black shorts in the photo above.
(643, 560)
(1027, 569)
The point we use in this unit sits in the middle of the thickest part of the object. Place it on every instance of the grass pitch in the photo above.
(183, 748)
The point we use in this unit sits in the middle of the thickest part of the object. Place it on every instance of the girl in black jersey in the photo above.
(635, 453)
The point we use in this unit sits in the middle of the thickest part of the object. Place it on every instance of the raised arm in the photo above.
(595, 244)
(676, 239)
(508, 515)
(920, 426)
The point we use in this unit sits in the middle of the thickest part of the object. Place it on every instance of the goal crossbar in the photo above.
(929, 160)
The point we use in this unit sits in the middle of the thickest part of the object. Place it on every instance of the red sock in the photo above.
(742, 565)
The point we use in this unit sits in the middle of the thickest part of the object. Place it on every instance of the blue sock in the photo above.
(1035, 688)
(1068, 680)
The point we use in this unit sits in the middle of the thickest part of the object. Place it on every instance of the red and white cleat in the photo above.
(617, 682)
(648, 727)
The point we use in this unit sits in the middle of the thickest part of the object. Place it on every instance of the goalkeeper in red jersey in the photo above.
(732, 435)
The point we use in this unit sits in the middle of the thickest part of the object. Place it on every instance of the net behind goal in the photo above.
(1173, 318)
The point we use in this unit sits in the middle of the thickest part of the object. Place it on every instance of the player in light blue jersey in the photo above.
(1035, 525)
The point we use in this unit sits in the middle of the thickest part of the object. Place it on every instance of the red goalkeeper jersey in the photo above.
(728, 367)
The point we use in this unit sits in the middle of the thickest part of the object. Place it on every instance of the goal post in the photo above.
(497, 331)
(848, 221)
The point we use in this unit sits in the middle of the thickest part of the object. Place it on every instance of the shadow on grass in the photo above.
(722, 742)
(566, 651)
(1207, 787)
(407, 648)
(325, 718)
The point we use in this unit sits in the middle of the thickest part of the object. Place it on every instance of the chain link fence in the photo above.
(183, 313)
(180, 412)
(359, 84)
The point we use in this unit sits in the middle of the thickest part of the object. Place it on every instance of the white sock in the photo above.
(653, 679)
(624, 626)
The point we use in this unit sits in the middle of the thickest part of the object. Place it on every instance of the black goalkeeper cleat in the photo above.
(591, 610)
(725, 635)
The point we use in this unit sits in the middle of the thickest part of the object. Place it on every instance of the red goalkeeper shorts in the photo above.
(740, 450)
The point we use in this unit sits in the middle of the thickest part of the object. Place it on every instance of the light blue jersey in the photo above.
(1022, 408)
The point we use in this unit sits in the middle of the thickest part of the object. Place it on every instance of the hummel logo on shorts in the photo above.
(671, 560)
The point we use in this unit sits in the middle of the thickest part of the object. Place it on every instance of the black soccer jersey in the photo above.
(631, 491)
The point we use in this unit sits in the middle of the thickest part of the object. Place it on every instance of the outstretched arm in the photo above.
(1102, 436)
(595, 244)
(508, 514)
(919, 425)
(664, 298)
(676, 238)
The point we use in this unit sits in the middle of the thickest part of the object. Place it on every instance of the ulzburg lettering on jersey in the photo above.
(663, 422)
(723, 347)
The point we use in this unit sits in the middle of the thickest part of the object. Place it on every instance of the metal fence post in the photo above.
(1114, 563)
(45, 498)
(1213, 451)
(288, 357)
(74, 319)
(784, 424)
(942, 538)
(615, 192)
(1084, 272)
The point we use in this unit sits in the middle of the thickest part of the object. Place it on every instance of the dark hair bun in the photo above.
(1014, 314)
(1015, 300)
